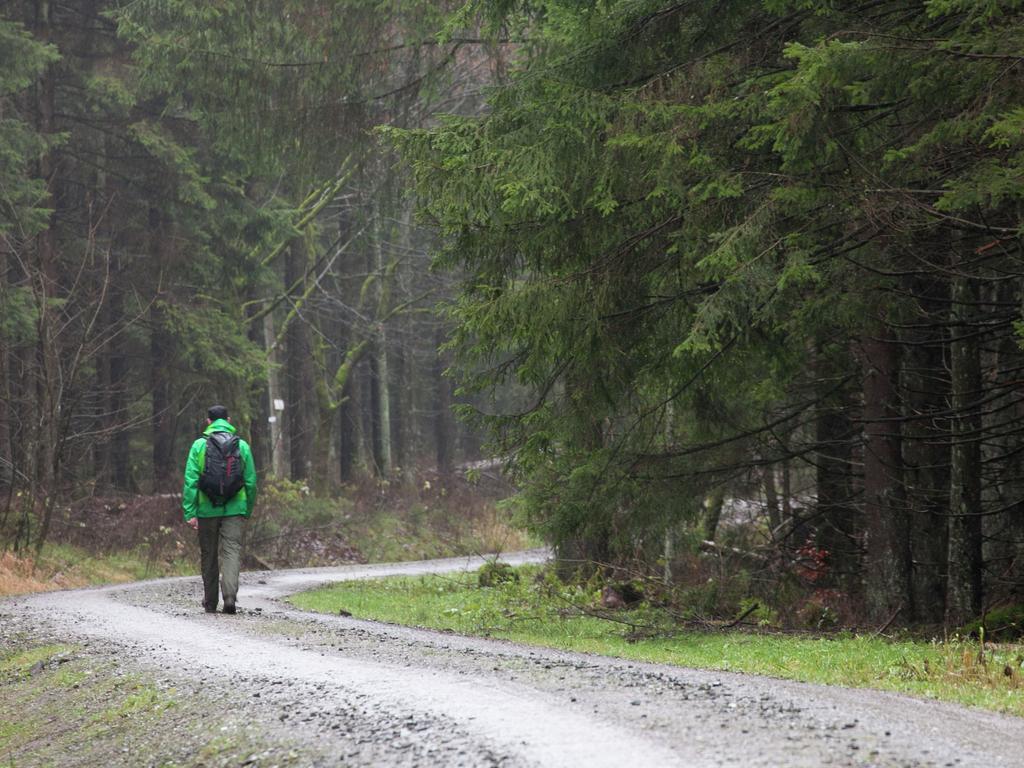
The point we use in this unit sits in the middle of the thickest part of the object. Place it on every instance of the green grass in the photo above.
(18, 664)
(537, 611)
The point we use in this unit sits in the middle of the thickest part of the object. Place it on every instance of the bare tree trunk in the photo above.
(112, 445)
(771, 498)
(6, 411)
(301, 377)
(713, 512)
(838, 525)
(403, 398)
(48, 393)
(350, 439)
(121, 453)
(925, 449)
(887, 560)
(324, 468)
(367, 416)
(103, 445)
(351, 442)
(259, 404)
(400, 409)
(787, 493)
(162, 351)
(375, 412)
(382, 380)
(24, 448)
(964, 575)
(331, 387)
(274, 394)
(442, 408)
(1004, 532)
(383, 405)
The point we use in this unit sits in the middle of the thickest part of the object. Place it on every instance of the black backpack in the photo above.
(222, 476)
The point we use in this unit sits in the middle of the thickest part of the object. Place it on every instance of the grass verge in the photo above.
(63, 566)
(60, 706)
(538, 610)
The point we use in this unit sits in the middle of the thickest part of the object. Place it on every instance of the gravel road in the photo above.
(352, 692)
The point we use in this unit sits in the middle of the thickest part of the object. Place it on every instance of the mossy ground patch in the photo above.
(61, 706)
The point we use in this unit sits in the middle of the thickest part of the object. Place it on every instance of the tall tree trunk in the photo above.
(324, 466)
(925, 448)
(162, 352)
(350, 441)
(403, 398)
(257, 405)
(442, 407)
(24, 440)
(838, 524)
(1004, 532)
(331, 387)
(116, 404)
(103, 445)
(381, 374)
(46, 278)
(887, 555)
(376, 400)
(275, 433)
(350, 438)
(400, 402)
(787, 493)
(301, 377)
(771, 499)
(383, 404)
(964, 575)
(112, 444)
(367, 415)
(713, 512)
(7, 464)
(97, 198)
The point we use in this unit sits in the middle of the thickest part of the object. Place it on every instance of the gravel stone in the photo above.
(362, 693)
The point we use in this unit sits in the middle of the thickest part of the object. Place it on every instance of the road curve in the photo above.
(365, 693)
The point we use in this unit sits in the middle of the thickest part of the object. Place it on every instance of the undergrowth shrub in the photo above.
(291, 527)
(494, 573)
(1002, 625)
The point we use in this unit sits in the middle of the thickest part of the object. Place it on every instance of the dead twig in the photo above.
(888, 623)
(742, 616)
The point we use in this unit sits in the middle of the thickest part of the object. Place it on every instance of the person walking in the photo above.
(217, 497)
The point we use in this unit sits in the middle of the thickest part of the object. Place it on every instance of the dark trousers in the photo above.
(220, 544)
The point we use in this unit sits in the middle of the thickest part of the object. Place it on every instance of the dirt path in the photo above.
(351, 692)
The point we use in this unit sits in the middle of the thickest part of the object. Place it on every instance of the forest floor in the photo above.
(139, 675)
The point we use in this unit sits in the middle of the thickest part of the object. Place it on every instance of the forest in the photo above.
(702, 276)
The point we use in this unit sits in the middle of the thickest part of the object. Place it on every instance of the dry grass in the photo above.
(62, 566)
(495, 534)
(19, 575)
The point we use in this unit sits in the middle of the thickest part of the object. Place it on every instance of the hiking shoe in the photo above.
(229, 607)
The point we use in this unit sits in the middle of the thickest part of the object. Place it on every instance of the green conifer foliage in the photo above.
(704, 235)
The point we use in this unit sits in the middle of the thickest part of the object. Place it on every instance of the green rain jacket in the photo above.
(194, 502)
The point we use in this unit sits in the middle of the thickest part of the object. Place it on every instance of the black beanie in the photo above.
(217, 412)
